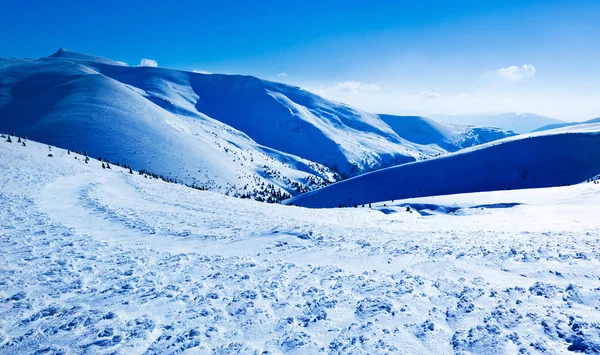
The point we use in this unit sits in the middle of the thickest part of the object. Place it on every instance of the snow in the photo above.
(447, 136)
(238, 135)
(565, 124)
(71, 105)
(102, 261)
(514, 121)
(558, 157)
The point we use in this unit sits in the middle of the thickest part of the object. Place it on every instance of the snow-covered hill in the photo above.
(544, 159)
(229, 133)
(70, 104)
(97, 102)
(99, 261)
(516, 122)
(566, 124)
(447, 136)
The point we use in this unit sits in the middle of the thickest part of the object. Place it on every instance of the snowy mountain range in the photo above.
(550, 158)
(447, 136)
(516, 122)
(235, 134)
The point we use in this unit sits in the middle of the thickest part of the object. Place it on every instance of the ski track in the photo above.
(102, 262)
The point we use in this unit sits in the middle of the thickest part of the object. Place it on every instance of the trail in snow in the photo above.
(98, 261)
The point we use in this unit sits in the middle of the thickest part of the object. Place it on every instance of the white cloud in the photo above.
(514, 73)
(353, 87)
(122, 63)
(282, 75)
(430, 95)
(148, 63)
(200, 71)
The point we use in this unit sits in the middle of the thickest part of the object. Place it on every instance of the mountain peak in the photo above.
(66, 54)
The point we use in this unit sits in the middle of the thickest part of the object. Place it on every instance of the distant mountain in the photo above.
(560, 125)
(447, 136)
(234, 134)
(516, 122)
(559, 157)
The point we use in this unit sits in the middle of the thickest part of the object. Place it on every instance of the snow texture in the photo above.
(101, 261)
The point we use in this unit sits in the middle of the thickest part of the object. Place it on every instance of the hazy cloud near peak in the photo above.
(282, 75)
(148, 63)
(200, 71)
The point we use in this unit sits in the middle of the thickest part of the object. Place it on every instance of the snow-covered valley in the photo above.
(102, 261)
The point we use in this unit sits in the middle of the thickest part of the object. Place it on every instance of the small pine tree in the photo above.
(369, 205)
(130, 171)
(19, 140)
(107, 165)
(103, 166)
(68, 152)
(24, 145)
(9, 140)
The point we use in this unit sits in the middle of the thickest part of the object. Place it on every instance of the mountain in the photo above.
(234, 134)
(447, 136)
(567, 124)
(516, 122)
(551, 158)
(188, 126)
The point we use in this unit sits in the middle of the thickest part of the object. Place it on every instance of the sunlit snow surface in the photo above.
(102, 261)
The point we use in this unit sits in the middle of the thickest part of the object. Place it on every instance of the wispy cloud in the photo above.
(515, 73)
(148, 63)
(430, 95)
(200, 71)
(282, 75)
(353, 87)
(123, 64)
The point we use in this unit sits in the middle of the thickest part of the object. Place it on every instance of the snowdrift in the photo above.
(552, 158)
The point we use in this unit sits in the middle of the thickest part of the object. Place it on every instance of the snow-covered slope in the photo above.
(279, 116)
(71, 105)
(98, 261)
(544, 159)
(448, 136)
(230, 133)
(516, 122)
(567, 124)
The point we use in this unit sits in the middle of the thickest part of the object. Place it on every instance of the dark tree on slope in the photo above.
(9, 140)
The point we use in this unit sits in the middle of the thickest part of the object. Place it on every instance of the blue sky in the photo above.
(384, 56)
